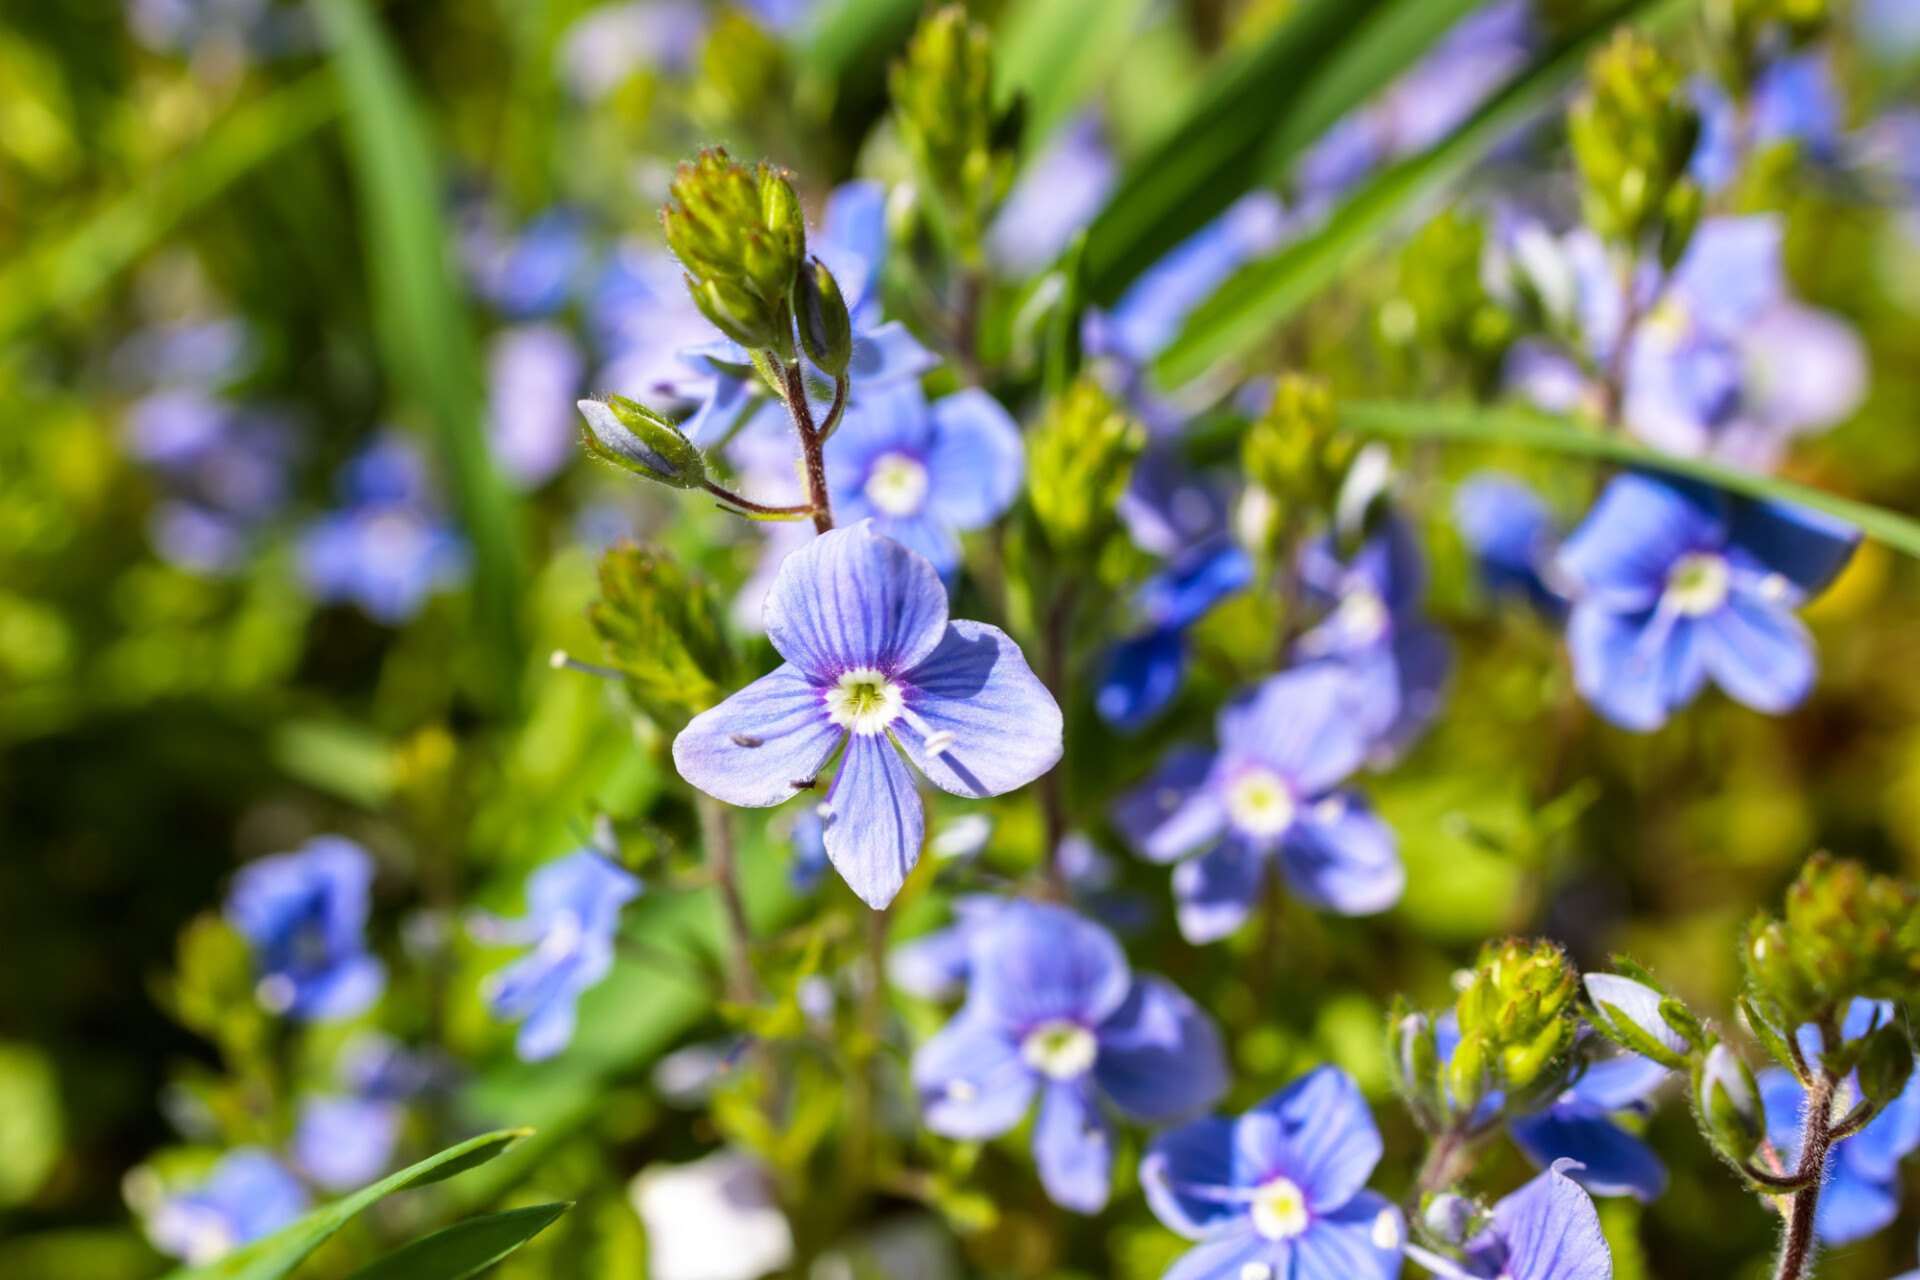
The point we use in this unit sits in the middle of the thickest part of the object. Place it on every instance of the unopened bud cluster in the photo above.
(1845, 933)
(943, 106)
(1293, 451)
(1634, 132)
(1517, 1023)
(1079, 461)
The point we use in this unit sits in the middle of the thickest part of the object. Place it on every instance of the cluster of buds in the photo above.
(1079, 461)
(1634, 131)
(1444, 307)
(1293, 452)
(664, 631)
(943, 107)
(1845, 933)
(1517, 1025)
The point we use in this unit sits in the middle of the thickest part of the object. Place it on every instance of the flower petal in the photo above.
(978, 687)
(1552, 1230)
(1215, 891)
(970, 1078)
(1341, 857)
(875, 821)
(887, 354)
(852, 598)
(977, 460)
(1361, 1240)
(1141, 677)
(1615, 1084)
(1301, 723)
(1616, 1163)
(1611, 668)
(755, 748)
(1623, 550)
(1316, 1132)
(1853, 1208)
(1234, 1256)
(1183, 1172)
(1073, 1146)
(1758, 652)
(1808, 548)
(1160, 1054)
(1171, 813)
(1036, 962)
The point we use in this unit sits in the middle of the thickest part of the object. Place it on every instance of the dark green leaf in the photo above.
(1267, 292)
(281, 1252)
(465, 1248)
(1529, 430)
(1053, 51)
(425, 333)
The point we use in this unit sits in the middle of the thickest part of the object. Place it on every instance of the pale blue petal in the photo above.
(721, 410)
(1073, 1146)
(548, 1030)
(971, 1081)
(1759, 653)
(1229, 1258)
(1160, 1054)
(1215, 891)
(887, 354)
(887, 419)
(1623, 551)
(852, 241)
(1317, 1132)
(1341, 857)
(1616, 1163)
(977, 686)
(345, 1142)
(875, 822)
(1611, 668)
(1853, 1208)
(1184, 1173)
(923, 535)
(755, 748)
(1553, 1231)
(1616, 1084)
(1141, 677)
(1302, 724)
(977, 461)
(1360, 1240)
(1808, 548)
(1171, 813)
(1731, 271)
(853, 599)
(1037, 962)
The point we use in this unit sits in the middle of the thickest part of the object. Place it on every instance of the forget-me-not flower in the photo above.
(248, 1194)
(1279, 1193)
(304, 916)
(389, 548)
(573, 912)
(1512, 535)
(1793, 100)
(1547, 1230)
(1059, 192)
(874, 665)
(1267, 803)
(1580, 1125)
(223, 467)
(925, 473)
(1673, 584)
(1052, 1009)
(346, 1138)
(532, 274)
(1374, 629)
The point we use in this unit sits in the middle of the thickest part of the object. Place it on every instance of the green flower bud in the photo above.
(1633, 134)
(1680, 217)
(1079, 461)
(634, 438)
(1293, 451)
(740, 234)
(1727, 1101)
(1844, 934)
(664, 631)
(826, 330)
(1629, 1013)
(943, 108)
(1886, 1062)
(1413, 1062)
(1519, 1010)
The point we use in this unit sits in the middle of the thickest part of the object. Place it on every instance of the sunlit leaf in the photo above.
(465, 1248)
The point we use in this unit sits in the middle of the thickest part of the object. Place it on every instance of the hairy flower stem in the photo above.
(716, 833)
(1449, 1160)
(1816, 1141)
(813, 439)
(732, 499)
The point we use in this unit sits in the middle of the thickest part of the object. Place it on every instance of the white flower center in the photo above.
(1386, 1230)
(864, 701)
(1363, 616)
(1260, 803)
(897, 484)
(1060, 1050)
(1279, 1209)
(1671, 321)
(1698, 584)
(1255, 1271)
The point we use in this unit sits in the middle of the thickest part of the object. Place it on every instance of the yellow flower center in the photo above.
(1260, 803)
(1279, 1209)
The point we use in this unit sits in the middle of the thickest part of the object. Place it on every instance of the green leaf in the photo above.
(425, 334)
(1528, 430)
(1263, 107)
(1263, 294)
(281, 1252)
(1054, 51)
(68, 266)
(465, 1248)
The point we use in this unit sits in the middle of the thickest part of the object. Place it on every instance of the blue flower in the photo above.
(1512, 535)
(810, 860)
(1268, 796)
(1579, 1126)
(1547, 1230)
(223, 467)
(1862, 1193)
(247, 1195)
(534, 273)
(1794, 100)
(1059, 192)
(345, 1139)
(1280, 1192)
(1375, 632)
(304, 915)
(389, 548)
(874, 665)
(1673, 583)
(924, 473)
(1889, 29)
(533, 380)
(573, 911)
(1053, 1010)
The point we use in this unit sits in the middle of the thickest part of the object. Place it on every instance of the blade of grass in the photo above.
(1053, 51)
(464, 1249)
(425, 332)
(1526, 430)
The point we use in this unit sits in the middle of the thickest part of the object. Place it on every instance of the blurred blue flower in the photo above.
(1673, 583)
(573, 912)
(346, 1139)
(304, 914)
(1889, 29)
(810, 861)
(873, 665)
(924, 473)
(533, 380)
(1268, 797)
(1052, 1009)
(1862, 1193)
(389, 548)
(532, 274)
(1794, 100)
(1279, 1193)
(247, 1195)
(609, 43)
(1375, 631)
(1512, 536)
(1547, 1230)
(934, 966)
(1580, 1126)
(220, 34)
(1058, 193)
(223, 470)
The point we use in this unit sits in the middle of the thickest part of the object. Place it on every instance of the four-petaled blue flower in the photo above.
(924, 473)
(247, 1195)
(1547, 1230)
(1375, 631)
(872, 663)
(389, 548)
(304, 915)
(1052, 1009)
(1280, 1192)
(573, 911)
(1579, 1126)
(1268, 796)
(1673, 583)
